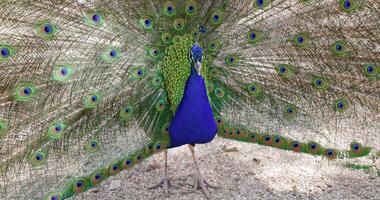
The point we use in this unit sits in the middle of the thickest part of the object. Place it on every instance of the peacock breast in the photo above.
(193, 122)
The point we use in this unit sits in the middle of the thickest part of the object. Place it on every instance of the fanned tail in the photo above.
(78, 99)
(299, 75)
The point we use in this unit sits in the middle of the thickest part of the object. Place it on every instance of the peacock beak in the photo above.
(198, 67)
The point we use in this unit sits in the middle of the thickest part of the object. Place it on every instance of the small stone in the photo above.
(232, 149)
(155, 165)
(256, 160)
(95, 190)
(190, 181)
(115, 184)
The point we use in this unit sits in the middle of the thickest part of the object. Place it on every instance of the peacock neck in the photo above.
(193, 71)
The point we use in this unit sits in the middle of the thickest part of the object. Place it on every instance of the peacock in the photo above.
(90, 87)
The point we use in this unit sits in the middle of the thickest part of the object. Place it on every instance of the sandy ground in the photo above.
(241, 171)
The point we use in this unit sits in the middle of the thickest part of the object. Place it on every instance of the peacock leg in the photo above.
(165, 182)
(200, 183)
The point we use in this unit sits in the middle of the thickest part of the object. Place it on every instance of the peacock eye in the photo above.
(93, 144)
(96, 18)
(290, 110)
(282, 69)
(48, 28)
(64, 71)
(115, 167)
(154, 52)
(38, 157)
(166, 37)
(347, 4)
(5, 52)
(27, 91)
(113, 53)
(179, 24)
(79, 184)
(300, 39)
(319, 83)
(355, 147)
(146, 22)
(341, 48)
(94, 98)
(191, 7)
(313, 146)
(338, 47)
(97, 176)
(219, 92)
(139, 72)
(58, 128)
(260, 4)
(295, 145)
(341, 105)
(370, 69)
(267, 138)
(216, 17)
(232, 60)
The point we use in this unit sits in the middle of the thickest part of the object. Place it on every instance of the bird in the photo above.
(90, 88)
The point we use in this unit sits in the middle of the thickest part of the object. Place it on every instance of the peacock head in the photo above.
(195, 57)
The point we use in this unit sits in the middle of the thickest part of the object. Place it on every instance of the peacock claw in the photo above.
(207, 184)
(201, 184)
(166, 184)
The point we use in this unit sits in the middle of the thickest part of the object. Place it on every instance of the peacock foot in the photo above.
(166, 184)
(201, 184)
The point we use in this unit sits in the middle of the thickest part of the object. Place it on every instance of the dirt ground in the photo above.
(241, 171)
